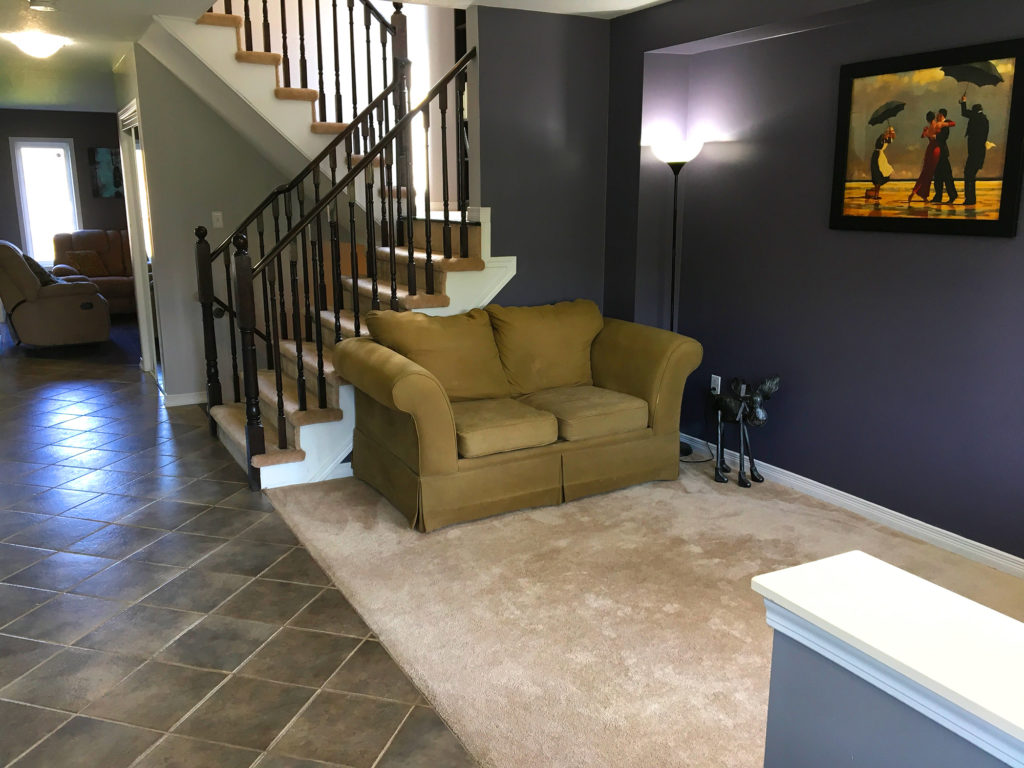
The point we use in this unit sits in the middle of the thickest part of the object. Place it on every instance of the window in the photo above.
(47, 196)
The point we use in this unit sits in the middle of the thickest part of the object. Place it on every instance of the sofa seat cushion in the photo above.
(115, 286)
(459, 350)
(483, 427)
(585, 412)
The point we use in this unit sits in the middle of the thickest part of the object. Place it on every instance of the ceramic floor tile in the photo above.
(220, 521)
(246, 558)
(154, 486)
(15, 601)
(218, 642)
(18, 655)
(274, 602)
(60, 571)
(24, 726)
(14, 558)
(182, 752)
(64, 619)
(164, 514)
(155, 695)
(70, 679)
(101, 481)
(54, 501)
(54, 533)
(86, 743)
(339, 728)
(272, 529)
(54, 475)
(197, 590)
(87, 441)
(12, 494)
(142, 630)
(246, 712)
(108, 507)
(331, 612)
(299, 566)
(206, 491)
(300, 657)
(424, 741)
(371, 671)
(96, 458)
(181, 549)
(12, 471)
(12, 521)
(246, 499)
(115, 541)
(127, 581)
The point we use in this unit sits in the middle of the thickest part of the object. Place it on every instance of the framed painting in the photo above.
(105, 172)
(931, 142)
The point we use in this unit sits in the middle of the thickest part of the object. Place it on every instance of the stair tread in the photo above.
(441, 264)
(258, 57)
(290, 398)
(309, 353)
(328, 128)
(221, 20)
(348, 329)
(420, 300)
(297, 94)
(231, 418)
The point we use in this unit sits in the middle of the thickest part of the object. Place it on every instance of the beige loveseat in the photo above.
(53, 313)
(462, 417)
(99, 256)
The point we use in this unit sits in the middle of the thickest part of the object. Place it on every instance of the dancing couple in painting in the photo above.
(937, 169)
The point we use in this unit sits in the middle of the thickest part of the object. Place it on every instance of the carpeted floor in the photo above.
(618, 630)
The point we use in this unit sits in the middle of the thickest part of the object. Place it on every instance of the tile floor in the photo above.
(155, 612)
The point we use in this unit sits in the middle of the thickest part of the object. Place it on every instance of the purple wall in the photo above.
(901, 356)
(88, 129)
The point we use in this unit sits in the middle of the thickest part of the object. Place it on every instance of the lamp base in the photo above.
(685, 449)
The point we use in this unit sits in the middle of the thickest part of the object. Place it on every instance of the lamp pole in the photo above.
(673, 320)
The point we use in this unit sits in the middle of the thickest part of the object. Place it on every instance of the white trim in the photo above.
(67, 144)
(952, 542)
(186, 398)
(941, 710)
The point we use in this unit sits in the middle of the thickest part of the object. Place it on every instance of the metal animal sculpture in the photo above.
(745, 409)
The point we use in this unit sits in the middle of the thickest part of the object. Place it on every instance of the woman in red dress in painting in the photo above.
(931, 154)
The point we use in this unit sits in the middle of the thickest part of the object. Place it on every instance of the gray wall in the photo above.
(87, 129)
(543, 141)
(195, 163)
(900, 355)
(820, 714)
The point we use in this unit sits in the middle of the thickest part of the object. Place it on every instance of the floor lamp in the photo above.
(676, 155)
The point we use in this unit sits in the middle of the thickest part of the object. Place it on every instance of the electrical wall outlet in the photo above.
(716, 384)
(218, 219)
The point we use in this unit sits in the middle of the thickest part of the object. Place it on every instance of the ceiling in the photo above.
(604, 9)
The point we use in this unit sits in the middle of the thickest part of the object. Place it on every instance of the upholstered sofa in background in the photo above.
(462, 417)
(102, 257)
(47, 312)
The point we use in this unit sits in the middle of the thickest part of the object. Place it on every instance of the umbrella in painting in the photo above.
(979, 73)
(885, 112)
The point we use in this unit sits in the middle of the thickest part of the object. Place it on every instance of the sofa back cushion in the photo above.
(87, 263)
(111, 246)
(546, 346)
(459, 350)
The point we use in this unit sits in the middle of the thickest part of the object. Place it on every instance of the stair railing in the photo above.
(369, 35)
(377, 187)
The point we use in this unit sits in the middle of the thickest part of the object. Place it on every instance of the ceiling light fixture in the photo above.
(42, 5)
(36, 43)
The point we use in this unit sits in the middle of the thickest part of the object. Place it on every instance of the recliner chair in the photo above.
(53, 314)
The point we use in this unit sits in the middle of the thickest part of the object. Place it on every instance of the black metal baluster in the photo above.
(254, 444)
(442, 103)
(266, 297)
(248, 25)
(369, 72)
(275, 208)
(204, 277)
(462, 157)
(286, 68)
(301, 194)
(352, 57)
(321, 381)
(320, 63)
(229, 285)
(337, 63)
(300, 371)
(266, 28)
(426, 202)
(336, 267)
(353, 252)
(392, 234)
(227, 6)
(303, 77)
(282, 430)
(371, 245)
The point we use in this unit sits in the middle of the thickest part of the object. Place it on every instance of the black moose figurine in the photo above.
(745, 408)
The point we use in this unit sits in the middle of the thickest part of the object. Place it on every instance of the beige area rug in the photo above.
(618, 630)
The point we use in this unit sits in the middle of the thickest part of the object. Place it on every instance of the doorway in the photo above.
(44, 171)
(140, 234)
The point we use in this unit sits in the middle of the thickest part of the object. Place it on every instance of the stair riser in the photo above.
(311, 386)
(268, 414)
(437, 237)
(402, 275)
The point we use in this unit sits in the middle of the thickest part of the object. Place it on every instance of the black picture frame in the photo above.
(848, 213)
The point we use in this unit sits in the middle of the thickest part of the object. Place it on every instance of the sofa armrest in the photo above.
(398, 383)
(65, 270)
(648, 363)
(76, 288)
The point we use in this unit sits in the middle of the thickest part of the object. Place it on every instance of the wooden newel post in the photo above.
(254, 443)
(204, 278)
(403, 180)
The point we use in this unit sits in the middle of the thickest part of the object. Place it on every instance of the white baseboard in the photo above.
(973, 550)
(187, 398)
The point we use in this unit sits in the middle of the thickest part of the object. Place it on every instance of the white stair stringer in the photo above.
(203, 57)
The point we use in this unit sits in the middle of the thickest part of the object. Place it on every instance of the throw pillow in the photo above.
(44, 277)
(88, 263)
(459, 350)
(546, 346)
